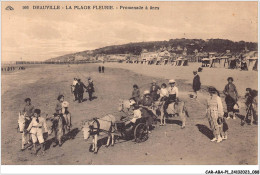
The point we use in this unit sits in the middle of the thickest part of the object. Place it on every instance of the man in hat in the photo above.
(35, 128)
(196, 83)
(90, 88)
(80, 90)
(154, 91)
(173, 95)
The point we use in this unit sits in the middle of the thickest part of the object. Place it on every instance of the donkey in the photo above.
(175, 108)
(23, 123)
(58, 126)
(95, 126)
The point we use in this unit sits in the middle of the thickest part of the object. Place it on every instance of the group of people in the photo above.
(143, 106)
(35, 123)
(12, 68)
(78, 87)
(215, 110)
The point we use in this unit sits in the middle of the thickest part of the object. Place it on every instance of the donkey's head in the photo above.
(21, 122)
(86, 129)
(120, 105)
(124, 105)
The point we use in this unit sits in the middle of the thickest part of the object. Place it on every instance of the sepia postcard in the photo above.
(130, 83)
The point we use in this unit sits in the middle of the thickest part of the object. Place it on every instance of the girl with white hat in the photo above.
(137, 113)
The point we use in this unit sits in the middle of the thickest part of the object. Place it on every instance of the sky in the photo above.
(42, 34)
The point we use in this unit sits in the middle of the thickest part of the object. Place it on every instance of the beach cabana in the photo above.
(223, 61)
(205, 62)
(181, 62)
(252, 63)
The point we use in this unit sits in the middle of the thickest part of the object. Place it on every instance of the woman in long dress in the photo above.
(215, 114)
(231, 97)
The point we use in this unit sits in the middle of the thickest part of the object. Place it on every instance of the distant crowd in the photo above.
(10, 68)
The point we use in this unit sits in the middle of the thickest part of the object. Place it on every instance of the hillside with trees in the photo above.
(173, 45)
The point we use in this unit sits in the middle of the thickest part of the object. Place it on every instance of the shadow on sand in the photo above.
(86, 99)
(205, 130)
(70, 135)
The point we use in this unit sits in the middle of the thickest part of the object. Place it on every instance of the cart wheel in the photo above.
(141, 133)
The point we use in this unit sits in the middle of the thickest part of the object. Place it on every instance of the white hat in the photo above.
(65, 104)
(146, 92)
(132, 102)
(154, 81)
(171, 81)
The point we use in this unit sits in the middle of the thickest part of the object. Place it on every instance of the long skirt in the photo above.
(230, 103)
(214, 126)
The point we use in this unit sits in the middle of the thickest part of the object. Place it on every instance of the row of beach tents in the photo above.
(244, 61)
(248, 61)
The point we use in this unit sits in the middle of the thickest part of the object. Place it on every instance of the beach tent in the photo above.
(205, 62)
(214, 62)
(252, 63)
(181, 62)
(165, 61)
(223, 61)
(232, 63)
(158, 61)
(217, 62)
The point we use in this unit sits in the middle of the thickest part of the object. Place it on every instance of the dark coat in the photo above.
(147, 101)
(90, 87)
(79, 88)
(154, 92)
(145, 112)
(196, 83)
(231, 91)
